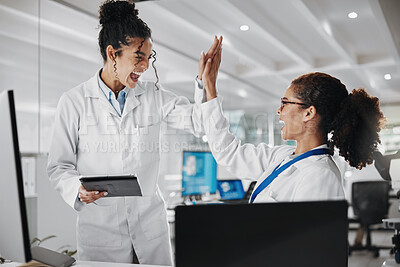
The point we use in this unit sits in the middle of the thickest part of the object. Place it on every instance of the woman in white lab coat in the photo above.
(314, 106)
(110, 124)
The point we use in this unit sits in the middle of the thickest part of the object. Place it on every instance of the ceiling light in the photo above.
(388, 76)
(352, 15)
(242, 93)
(327, 28)
(244, 28)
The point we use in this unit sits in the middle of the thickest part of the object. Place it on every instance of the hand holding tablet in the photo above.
(113, 185)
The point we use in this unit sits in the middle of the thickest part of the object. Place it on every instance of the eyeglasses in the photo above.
(284, 102)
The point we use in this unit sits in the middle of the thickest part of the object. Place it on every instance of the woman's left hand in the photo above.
(216, 45)
(210, 73)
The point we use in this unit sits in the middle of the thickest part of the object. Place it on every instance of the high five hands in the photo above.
(208, 68)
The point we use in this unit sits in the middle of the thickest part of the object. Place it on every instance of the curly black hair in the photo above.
(354, 119)
(119, 21)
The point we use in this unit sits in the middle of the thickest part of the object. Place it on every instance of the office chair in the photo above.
(249, 191)
(370, 201)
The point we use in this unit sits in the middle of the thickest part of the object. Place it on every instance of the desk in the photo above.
(93, 264)
(109, 264)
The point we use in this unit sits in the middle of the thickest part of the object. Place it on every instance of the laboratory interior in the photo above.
(49, 47)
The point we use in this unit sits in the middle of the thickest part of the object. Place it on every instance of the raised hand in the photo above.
(210, 72)
(216, 45)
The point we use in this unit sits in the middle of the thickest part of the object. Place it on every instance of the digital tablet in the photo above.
(114, 185)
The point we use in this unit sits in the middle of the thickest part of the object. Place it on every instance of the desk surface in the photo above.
(103, 264)
(93, 264)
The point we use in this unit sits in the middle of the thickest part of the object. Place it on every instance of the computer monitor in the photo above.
(231, 189)
(199, 173)
(263, 234)
(14, 235)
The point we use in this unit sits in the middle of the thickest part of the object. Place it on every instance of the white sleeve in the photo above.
(245, 161)
(61, 166)
(180, 114)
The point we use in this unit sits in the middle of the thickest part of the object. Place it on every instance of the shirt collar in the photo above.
(106, 90)
(321, 146)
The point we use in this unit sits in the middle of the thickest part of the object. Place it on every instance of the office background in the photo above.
(50, 46)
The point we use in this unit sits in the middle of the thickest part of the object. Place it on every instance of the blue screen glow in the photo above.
(199, 173)
(230, 189)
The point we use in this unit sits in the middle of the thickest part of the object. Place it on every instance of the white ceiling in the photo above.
(285, 39)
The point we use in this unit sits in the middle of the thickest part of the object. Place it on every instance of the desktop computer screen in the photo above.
(199, 173)
(308, 234)
(14, 233)
(14, 237)
(230, 189)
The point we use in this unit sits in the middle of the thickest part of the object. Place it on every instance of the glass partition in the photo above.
(19, 66)
(69, 55)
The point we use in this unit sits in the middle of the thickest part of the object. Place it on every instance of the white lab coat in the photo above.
(90, 138)
(313, 178)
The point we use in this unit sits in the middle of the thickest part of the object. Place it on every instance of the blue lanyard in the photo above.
(278, 170)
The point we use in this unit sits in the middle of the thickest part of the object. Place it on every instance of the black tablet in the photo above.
(114, 185)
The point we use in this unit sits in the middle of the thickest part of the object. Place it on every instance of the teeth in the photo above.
(282, 122)
(137, 73)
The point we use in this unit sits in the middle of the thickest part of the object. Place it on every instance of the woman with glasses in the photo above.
(319, 114)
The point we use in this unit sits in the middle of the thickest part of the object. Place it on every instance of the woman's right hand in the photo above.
(89, 196)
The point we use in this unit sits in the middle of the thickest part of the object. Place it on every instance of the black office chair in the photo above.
(370, 201)
(249, 191)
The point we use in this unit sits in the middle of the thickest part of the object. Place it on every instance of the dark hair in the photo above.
(119, 20)
(354, 119)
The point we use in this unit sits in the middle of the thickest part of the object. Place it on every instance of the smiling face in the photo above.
(292, 115)
(131, 60)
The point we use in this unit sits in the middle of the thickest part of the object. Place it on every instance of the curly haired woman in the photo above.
(109, 125)
(319, 114)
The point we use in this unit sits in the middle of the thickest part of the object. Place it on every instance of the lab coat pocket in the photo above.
(98, 226)
(289, 171)
(150, 135)
(145, 141)
(149, 145)
(153, 217)
(272, 196)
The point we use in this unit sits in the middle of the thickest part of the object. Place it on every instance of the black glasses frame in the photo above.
(284, 102)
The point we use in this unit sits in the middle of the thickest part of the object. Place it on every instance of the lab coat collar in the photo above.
(131, 101)
(92, 90)
(92, 87)
(311, 160)
(286, 158)
(139, 89)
